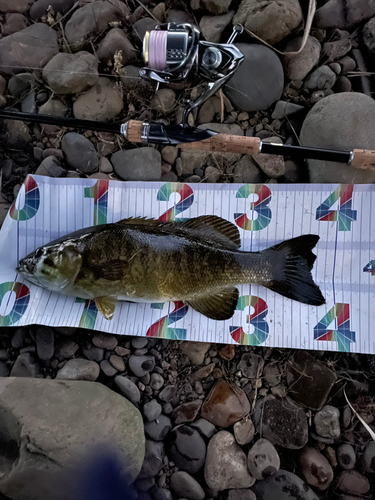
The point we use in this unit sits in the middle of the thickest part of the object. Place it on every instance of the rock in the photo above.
(141, 365)
(20, 84)
(154, 459)
(271, 21)
(315, 468)
(15, 134)
(368, 36)
(147, 161)
(58, 432)
(212, 27)
(167, 393)
(66, 349)
(238, 494)
(104, 341)
(107, 368)
(246, 171)
(14, 22)
(39, 8)
(92, 19)
(190, 160)
(244, 431)
(80, 153)
(141, 26)
(283, 109)
(251, 365)
(128, 389)
(212, 174)
(281, 421)
(343, 84)
(187, 449)
(71, 73)
(216, 6)
(151, 410)
(263, 459)
(28, 104)
(183, 485)
(347, 64)
(322, 78)
(94, 353)
(156, 382)
(336, 14)
(139, 342)
(186, 412)
(225, 465)
(164, 101)
(205, 428)
(195, 351)
(79, 369)
(283, 486)
(337, 49)
(353, 483)
(3, 85)
(225, 404)
(367, 459)
(327, 422)
(45, 345)
(4, 369)
(25, 366)
(324, 127)
(117, 362)
(104, 101)
(228, 352)
(258, 82)
(346, 456)
(105, 165)
(209, 109)
(272, 165)
(158, 429)
(114, 42)
(20, 6)
(169, 154)
(54, 107)
(51, 167)
(309, 380)
(271, 374)
(31, 47)
(297, 67)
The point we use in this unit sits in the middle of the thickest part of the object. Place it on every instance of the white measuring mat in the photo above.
(342, 215)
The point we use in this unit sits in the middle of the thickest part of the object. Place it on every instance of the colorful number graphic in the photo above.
(261, 328)
(342, 335)
(344, 215)
(260, 207)
(89, 314)
(370, 268)
(161, 329)
(20, 305)
(32, 202)
(186, 200)
(99, 191)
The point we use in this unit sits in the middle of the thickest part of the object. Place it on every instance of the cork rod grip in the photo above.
(134, 131)
(226, 144)
(364, 159)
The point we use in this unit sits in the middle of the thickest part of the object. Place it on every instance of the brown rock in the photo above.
(225, 405)
(315, 468)
(352, 482)
(244, 431)
(186, 412)
(228, 352)
(195, 351)
(203, 372)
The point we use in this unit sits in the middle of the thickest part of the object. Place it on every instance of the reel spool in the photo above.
(175, 52)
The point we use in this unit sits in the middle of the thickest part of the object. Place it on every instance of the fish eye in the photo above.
(39, 252)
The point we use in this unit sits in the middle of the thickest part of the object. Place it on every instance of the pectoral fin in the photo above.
(220, 306)
(106, 306)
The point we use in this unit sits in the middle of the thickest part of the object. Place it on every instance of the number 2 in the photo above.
(187, 199)
(161, 328)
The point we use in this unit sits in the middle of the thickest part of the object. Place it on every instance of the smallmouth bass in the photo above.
(197, 261)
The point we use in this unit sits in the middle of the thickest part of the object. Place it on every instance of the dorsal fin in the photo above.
(220, 225)
(139, 221)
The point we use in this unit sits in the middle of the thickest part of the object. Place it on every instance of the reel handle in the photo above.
(226, 143)
(363, 159)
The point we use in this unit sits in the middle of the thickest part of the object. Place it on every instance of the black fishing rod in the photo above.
(172, 52)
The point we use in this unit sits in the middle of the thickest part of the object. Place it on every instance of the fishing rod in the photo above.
(173, 53)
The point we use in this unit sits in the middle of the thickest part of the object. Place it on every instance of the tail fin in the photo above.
(293, 261)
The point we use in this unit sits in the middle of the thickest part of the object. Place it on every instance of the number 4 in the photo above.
(342, 335)
(344, 215)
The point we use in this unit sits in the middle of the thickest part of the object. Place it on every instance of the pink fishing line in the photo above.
(157, 49)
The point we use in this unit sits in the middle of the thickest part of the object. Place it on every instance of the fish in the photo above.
(197, 261)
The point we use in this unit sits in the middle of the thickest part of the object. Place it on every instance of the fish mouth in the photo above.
(25, 267)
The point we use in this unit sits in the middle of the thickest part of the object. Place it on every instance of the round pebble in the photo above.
(159, 428)
(346, 456)
(327, 422)
(368, 457)
(156, 381)
(183, 485)
(79, 369)
(140, 365)
(128, 389)
(167, 393)
(117, 362)
(107, 368)
(105, 341)
(263, 459)
(139, 342)
(353, 483)
(152, 410)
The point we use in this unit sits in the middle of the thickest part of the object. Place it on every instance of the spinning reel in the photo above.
(173, 52)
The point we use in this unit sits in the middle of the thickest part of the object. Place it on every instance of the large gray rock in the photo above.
(225, 465)
(52, 427)
(271, 20)
(344, 121)
(39, 8)
(140, 164)
(296, 67)
(14, 22)
(31, 47)
(282, 422)
(212, 27)
(92, 19)
(115, 41)
(283, 486)
(186, 486)
(71, 73)
(344, 14)
(102, 102)
(259, 81)
(187, 449)
(80, 153)
(51, 167)
(20, 6)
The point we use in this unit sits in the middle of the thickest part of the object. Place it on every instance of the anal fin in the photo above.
(220, 306)
(106, 306)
